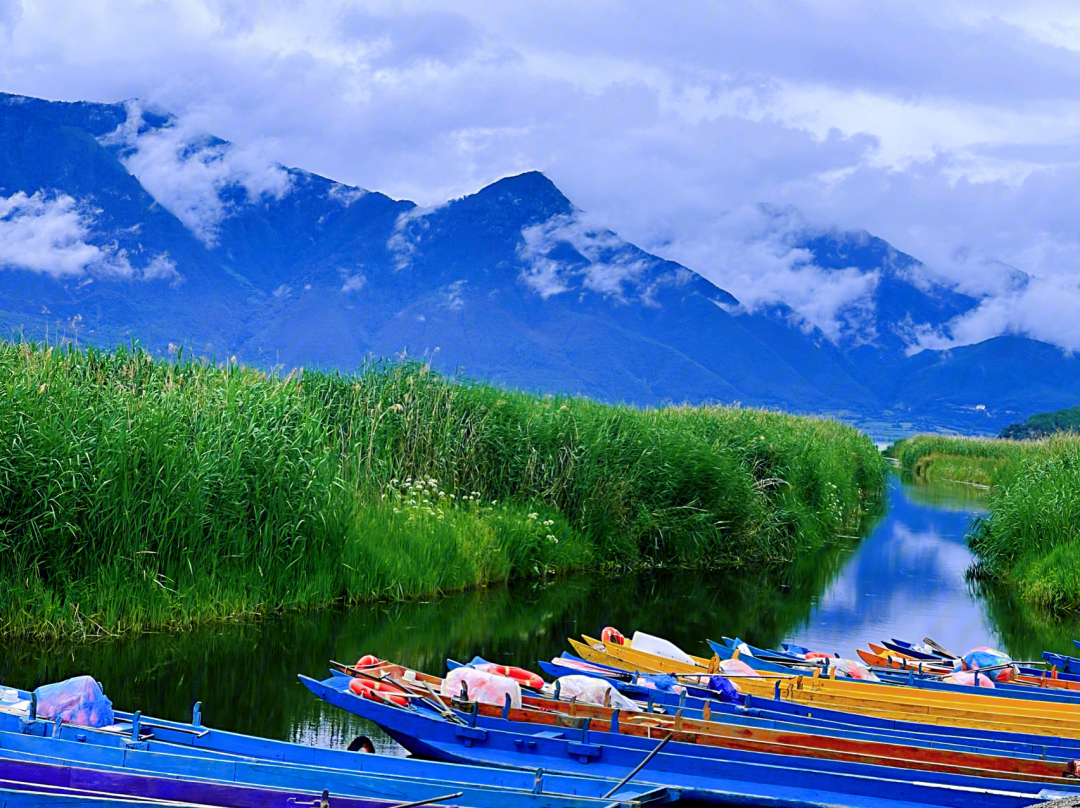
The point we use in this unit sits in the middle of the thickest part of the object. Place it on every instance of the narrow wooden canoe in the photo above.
(706, 734)
(1066, 663)
(193, 750)
(897, 663)
(881, 650)
(910, 652)
(31, 771)
(784, 716)
(981, 711)
(40, 797)
(753, 777)
(718, 733)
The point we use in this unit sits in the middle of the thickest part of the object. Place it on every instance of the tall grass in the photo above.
(137, 493)
(1031, 540)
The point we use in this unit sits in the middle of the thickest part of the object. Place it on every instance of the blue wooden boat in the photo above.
(621, 680)
(940, 654)
(51, 774)
(782, 715)
(620, 683)
(912, 678)
(1068, 677)
(785, 711)
(707, 777)
(191, 749)
(1022, 669)
(1066, 663)
(836, 724)
(914, 653)
(231, 770)
(765, 653)
(30, 797)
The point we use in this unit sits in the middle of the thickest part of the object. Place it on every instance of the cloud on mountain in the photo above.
(190, 173)
(597, 259)
(950, 130)
(409, 229)
(1041, 309)
(49, 234)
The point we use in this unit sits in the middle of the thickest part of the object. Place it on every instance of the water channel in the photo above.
(904, 579)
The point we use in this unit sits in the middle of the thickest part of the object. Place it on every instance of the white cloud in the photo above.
(48, 234)
(609, 262)
(409, 229)
(1048, 311)
(353, 283)
(189, 172)
(749, 252)
(345, 194)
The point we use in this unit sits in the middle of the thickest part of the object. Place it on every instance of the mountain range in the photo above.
(118, 224)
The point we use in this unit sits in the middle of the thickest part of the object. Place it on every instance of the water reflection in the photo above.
(245, 675)
(905, 579)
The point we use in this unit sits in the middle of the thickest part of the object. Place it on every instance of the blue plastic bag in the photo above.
(983, 657)
(75, 701)
(663, 681)
(724, 689)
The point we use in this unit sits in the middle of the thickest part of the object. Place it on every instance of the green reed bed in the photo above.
(136, 493)
(1031, 540)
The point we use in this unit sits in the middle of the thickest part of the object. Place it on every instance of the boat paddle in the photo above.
(640, 766)
(431, 801)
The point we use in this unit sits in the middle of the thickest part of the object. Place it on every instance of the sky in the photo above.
(710, 133)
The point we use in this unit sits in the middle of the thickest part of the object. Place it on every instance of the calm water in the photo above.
(905, 579)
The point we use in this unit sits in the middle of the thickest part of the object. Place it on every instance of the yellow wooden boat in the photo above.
(886, 701)
(631, 660)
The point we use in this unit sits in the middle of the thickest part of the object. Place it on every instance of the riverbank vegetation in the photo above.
(137, 493)
(1044, 424)
(1030, 542)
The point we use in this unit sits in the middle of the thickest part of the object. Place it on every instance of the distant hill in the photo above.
(117, 225)
(1044, 424)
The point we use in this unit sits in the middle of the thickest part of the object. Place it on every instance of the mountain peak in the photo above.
(531, 189)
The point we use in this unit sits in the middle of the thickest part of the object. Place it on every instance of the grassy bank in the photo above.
(1031, 540)
(136, 493)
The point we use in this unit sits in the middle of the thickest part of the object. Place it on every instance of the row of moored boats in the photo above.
(612, 722)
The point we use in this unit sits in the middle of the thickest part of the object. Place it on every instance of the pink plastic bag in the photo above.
(486, 688)
(75, 701)
(969, 678)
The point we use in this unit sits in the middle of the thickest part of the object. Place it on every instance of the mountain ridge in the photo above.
(192, 241)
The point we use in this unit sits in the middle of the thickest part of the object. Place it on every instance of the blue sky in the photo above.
(950, 129)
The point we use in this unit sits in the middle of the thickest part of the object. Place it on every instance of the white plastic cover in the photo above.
(484, 687)
(590, 690)
(853, 670)
(75, 701)
(736, 667)
(659, 646)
